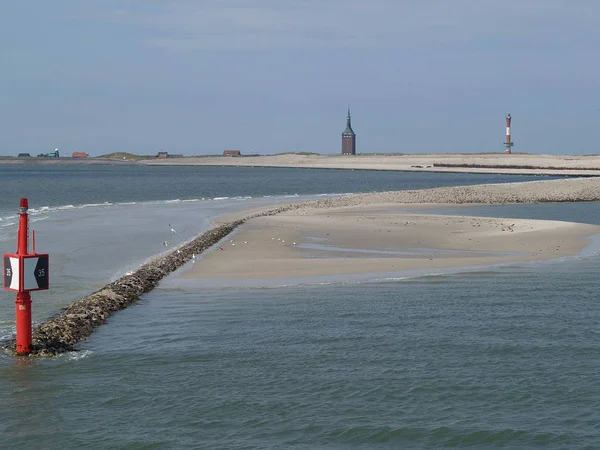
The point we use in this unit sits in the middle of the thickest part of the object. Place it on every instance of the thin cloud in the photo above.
(210, 24)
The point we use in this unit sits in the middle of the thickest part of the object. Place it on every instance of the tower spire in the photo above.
(348, 131)
(348, 137)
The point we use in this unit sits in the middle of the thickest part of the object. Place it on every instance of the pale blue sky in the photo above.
(269, 76)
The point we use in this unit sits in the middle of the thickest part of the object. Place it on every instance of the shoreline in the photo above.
(482, 163)
(490, 163)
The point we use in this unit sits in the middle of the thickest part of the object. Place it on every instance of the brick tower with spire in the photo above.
(348, 138)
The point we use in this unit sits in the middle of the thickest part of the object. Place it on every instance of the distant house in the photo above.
(232, 153)
(80, 155)
(53, 154)
(162, 155)
(23, 155)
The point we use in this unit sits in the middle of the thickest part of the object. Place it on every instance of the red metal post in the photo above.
(23, 314)
(23, 301)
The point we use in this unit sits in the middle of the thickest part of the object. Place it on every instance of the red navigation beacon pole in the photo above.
(23, 302)
(24, 272)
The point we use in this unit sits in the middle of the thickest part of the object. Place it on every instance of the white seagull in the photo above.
(172, 229)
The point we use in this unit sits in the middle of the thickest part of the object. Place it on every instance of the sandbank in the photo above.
(378, 239)
(379, 232)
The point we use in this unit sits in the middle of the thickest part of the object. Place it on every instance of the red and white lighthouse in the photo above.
(508, 144)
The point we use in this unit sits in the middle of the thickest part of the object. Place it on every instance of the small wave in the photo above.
(91, 205)
(37, 219)
(7, 224)
(221, 198)
(7, 332)
(77, 355)
(333, 194)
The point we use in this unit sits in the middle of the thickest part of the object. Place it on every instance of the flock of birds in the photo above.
(245, 242)
(166, 243)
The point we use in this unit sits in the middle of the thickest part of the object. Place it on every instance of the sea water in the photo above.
(491, 357)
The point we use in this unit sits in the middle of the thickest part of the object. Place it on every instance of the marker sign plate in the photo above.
(27, 273)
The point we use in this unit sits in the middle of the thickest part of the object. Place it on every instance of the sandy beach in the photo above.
(377, 233)
(346, 241)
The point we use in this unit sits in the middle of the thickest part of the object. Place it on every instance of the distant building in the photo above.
(53, 154)
(348, 138)
(232, 153)
(162, 155)
(23, 155)
(80, 155)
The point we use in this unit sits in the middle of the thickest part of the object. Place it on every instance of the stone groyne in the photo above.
(75, 323)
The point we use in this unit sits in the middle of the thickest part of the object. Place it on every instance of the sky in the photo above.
(196, 77)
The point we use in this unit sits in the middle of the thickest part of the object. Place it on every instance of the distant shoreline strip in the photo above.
(510, 166)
